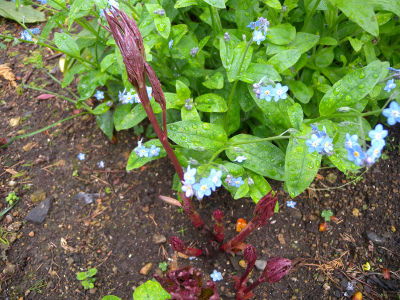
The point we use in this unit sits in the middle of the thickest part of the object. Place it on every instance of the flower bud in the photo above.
(250, 254)
(194, 51)
(227, 37)
(177, 244)
(218, 216)
(265, 209)
(276, 269)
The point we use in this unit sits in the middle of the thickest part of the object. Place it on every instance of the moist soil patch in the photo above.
(121, 225)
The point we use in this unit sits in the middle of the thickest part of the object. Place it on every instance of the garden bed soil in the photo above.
(126, 225)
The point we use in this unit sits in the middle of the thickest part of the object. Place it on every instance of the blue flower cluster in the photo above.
(268, 92)
(320, 141)
(355, 152)
(260, 28)
(204, 187)
(27, 35)
(112, 4)
(237, 182)
(132, 97)
(142, 151)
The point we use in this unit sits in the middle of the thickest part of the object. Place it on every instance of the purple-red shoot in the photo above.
(262, 213)
(219, 230)
(179, 246)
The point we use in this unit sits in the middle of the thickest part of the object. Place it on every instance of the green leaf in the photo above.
(284, 59)
(66, 43)
(135, 116)
(92, 272)
(389, 5)
(301, 166)
(242, 190)
(355, 43)
(330, 41)
(360, 12)
(216, 3)
(295, 113)
(106, 124)
(215, 82)
(25, 14)
(89, 82)
(304, 41)
(353, 87)
(233, 71)
(244, 12)
(79, 8)
(324, 57)
(256, 71)
(69, 76)
(196, 134)
(107, 61)
(263, 158)
(150, 290)
(260, 187)
(300, 91)
(185, 3)
(162, 23)
(182, 91)
(190, 114)
(278, 36)
(81, 276)
(53, 21)
(211, 103)
(274, 4)
(101, 109)
(135, 161)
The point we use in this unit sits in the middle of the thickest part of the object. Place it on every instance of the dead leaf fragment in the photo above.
(281, 239)
(7, 73)
(45, 96)
(15, 121)
(386, 273)
(29, 146)
(146, 269)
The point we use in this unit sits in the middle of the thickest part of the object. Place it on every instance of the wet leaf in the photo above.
(106, 123)
(257, 71)
(101, 109)
(211, 103)
(215, 82)
(238, 52)
(135, 161)
(284, 59)
(25, 13)
(66, 43)
(150, 290)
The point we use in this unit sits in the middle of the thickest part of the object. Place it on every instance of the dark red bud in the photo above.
(265, 209)
(177, 244)
(218, 216)
(250, 254)
(276, 269)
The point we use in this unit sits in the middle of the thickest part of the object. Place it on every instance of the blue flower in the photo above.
(374, 153)
(351, 141)
(154, 151)
(187, 188)
(203, 188)
(321, 133)
(99, 95)
(314, 144)
(128, 98)
(236, 182)
(327, 145)
(101, 13)
(100, 164)
(253, 25)
(189, 175)
(35, 31)
(216, 276)
(113, 3)
(378, 135)
(240, 158)
(280, 91)
(149, 90)
(142, 151)
(267, 92)
(81, 156)
(291, 204)
(215, 177)
(25, 35)
(392, 113)
(43, 2)
(258, 36)
(390, 85)
(170, 43)
(356, 154)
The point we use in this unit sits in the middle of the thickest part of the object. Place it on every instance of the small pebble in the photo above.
(31, 234)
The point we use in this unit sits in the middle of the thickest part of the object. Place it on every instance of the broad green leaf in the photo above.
(135, 161)
(197, 134)
(324, 57)
(79, 8)
(274, 4)
(233, 71)
(135, 116)
(355, 43)
(57, 19)
(295, 113)
(185, 3)
(101, 109)
(173, 101)
(69, 76)
(278, 36)
(107, 61)
(187, 156)
(226, 49)
(245, 13)
(353, 87)
(369, 51)
(190, 114)
(389, 5)
(150, 290)
(120, 113)
(211, 103)
(242, 190)
(255, 72)
(182, 91)
(162, 23)
(301, 91)
(106, 124)
(245, 100)
(300, 165)
(360, 12)
(66, 43)
(216, 3)
(177, 32)
(260, 187)
(263, 158)
(89, 82)
(304, 41)
(215, 82)
(25, 13)
(330, 41)
(284, 59)
(276, 112)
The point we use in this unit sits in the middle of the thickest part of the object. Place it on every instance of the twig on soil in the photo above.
(54, 56)
(104, 260)
(22, 161)
(105, 182)
(28, 75)
(77, 177)
(164, 253)
(389, 251)
(152, 217)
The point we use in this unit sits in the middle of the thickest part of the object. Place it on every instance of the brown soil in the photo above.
(115, 232)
